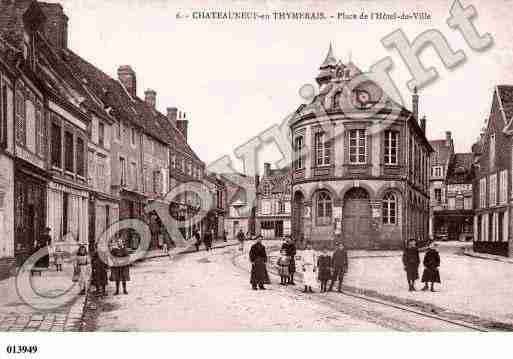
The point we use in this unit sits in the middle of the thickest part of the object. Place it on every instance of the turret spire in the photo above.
(330, 60)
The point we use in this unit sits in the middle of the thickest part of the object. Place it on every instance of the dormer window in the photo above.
(492, 150)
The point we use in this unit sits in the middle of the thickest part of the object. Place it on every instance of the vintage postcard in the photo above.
(191, 166)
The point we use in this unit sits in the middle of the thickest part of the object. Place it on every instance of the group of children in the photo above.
(322, 267)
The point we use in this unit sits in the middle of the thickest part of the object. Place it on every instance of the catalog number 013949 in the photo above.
(21, 349)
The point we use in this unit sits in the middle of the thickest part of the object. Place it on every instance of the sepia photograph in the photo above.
(254, 166)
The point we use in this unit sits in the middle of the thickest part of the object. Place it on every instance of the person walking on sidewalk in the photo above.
(431, 263)
(120, 271)
(45, 240)
(411, 263)
(82, 268)
(258, 259)
(339, 264)
(241, 238)
(309, 268)
(324, 265)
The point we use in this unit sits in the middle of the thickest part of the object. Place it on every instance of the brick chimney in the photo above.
(150, 97)
(55, 28)
(415, 103)
(126, 75)
(423, 124)
(448, 138)
(171, 114)
(267, 169)
(182, 125)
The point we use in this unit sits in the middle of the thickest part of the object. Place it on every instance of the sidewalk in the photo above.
(157, 253)
(473, 290)
(16, 315)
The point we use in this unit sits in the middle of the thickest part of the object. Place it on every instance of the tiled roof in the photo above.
(279, 180)
(134, 110)
(442, 151)
(460, 169)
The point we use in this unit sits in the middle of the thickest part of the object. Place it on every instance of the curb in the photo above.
(491, 257)
(185, 251)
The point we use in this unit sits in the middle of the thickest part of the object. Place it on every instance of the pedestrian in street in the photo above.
(225, 236)
(309, 268)
(197, 238)
(283, 267)
(258, 259)
(324, 269)
(207, 239)
(339, 265)
(431, 263)
(411, 263)
(290, 248)
(58, 257)
(45, 240)
(82, 268)
(120, 270)
(99, 274)
(241, 238)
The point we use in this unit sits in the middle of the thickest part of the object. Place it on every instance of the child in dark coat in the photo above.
(431, 263)
(99, 274)
(324, 266)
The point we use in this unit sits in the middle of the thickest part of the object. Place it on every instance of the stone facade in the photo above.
(492, 184)
(273, 205)
(355, 179)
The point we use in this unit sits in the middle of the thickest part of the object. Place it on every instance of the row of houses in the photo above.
(79, 149)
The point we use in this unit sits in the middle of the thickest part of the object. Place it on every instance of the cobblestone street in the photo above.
(211, 291)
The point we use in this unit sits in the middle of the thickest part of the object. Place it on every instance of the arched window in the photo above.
(389, 209)
(324, 209)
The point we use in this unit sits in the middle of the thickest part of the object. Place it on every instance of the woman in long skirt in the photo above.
(309, 268)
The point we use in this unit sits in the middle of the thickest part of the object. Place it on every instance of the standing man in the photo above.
(258, 259)
(240, 238)
(411, 263)
(339, 263)
(207, 239)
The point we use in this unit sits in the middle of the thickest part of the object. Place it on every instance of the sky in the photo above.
(234, 79)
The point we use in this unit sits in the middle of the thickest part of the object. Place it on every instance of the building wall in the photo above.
(492, 216)
(375, 177)
(7, 262)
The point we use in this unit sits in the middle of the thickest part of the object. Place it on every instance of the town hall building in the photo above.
(360, 166)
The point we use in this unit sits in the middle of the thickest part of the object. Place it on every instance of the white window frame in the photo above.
(390, 213)
(298, 152)
(322, 149)
(493, 190)
(358, 135)
(391, 147)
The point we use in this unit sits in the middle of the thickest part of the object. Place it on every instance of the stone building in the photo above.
(240, 203)
(214, 218)
(83, 150)
(492, 184)
(273, 207)
(451, 196)
(7, 76)
(360, 171)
